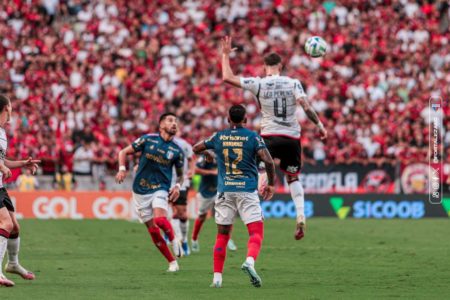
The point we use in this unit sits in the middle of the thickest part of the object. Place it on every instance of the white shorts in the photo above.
(246, 204)
(146, 203)
(206, 204)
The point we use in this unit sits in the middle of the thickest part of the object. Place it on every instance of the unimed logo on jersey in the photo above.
(338, 206)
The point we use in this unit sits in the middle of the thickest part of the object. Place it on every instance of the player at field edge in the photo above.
(151, 185)
(207, 195)
(278, 96)
(9, 226)
(236, 150)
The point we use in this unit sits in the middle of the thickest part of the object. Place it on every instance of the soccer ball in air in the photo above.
(316, 46)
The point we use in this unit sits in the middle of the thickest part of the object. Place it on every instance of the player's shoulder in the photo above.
(150, 136)
(176, 145)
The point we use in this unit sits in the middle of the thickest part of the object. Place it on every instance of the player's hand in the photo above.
(32, 164)
(268, 192)
(5, 171)
(120, 176)
(174, 193)
(226, 46)
(323, 133)
(209, 156)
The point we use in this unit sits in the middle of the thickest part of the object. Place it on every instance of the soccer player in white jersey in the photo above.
(278, 97)
(180, 221)
(9, 226)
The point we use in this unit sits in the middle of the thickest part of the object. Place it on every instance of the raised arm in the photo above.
(312, 115)
(227, 73)
(122, 158)
(269, 189)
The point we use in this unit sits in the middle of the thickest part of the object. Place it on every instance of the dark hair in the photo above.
(4, 101)
(237, 113)
(165, 115)
(272, 59)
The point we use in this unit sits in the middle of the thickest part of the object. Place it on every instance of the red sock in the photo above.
(160, 243)
(197, 226)
(220, 251)
(165, 225)
(256, 233)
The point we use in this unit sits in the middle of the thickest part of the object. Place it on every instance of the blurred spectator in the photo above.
(27, 182)
(82, 160)
(64, 180)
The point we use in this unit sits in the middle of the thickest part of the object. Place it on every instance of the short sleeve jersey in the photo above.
(277, 97)
(236, 150)
(158, 157)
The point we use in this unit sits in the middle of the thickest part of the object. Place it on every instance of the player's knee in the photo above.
(15, 231)
(224, 229)
(202, 217)
(6, 225)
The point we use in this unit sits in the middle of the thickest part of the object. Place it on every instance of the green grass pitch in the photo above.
(338, 259)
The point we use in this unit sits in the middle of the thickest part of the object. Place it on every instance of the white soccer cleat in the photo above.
(177, 248)
(231, 245)
(19, 270)
(216, 284)
(5, 281)
(251, 272)
(195, 246)
(173, 267)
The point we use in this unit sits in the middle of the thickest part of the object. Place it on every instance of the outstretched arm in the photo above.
(312, 115)
(30, 163)
(122, 173)
(227, 73)
(264, 155)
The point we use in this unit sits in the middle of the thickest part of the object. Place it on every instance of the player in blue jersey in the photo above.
(207, 195)
(236, 150)
(151, 186)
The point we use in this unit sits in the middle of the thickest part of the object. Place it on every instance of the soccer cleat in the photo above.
(251, 272)
(19, 270)
(177, 248)
(216, 284)
(231, 245)
(173, 267)
(195, 246)
(5, 281)
(301, 227)
(186, 249)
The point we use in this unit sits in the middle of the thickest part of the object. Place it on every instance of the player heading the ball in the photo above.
(277, 97)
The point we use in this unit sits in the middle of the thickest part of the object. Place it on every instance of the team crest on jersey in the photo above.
(152, 147)
(169, 154)
(292, 169)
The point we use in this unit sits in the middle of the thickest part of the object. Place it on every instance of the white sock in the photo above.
(184, 227)
(176, 228)
(3, 244)
(298, 198)
(217, 277)
(13, 251)
(250, 260)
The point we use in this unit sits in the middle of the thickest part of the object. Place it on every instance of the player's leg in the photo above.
(226, 209)
(291, 165)
(13, 265)
(6, 226)
(251, 214)
(298, 197)
(183, 222)
(160, 207)
(206, 204)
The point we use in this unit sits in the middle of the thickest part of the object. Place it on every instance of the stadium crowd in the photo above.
(88, 77)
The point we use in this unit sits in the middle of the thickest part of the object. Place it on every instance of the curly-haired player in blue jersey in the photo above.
(236, 150)
(151, 186)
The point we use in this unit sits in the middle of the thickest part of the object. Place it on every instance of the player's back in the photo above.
(277, 97)
(208, 183)
(236, 149)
